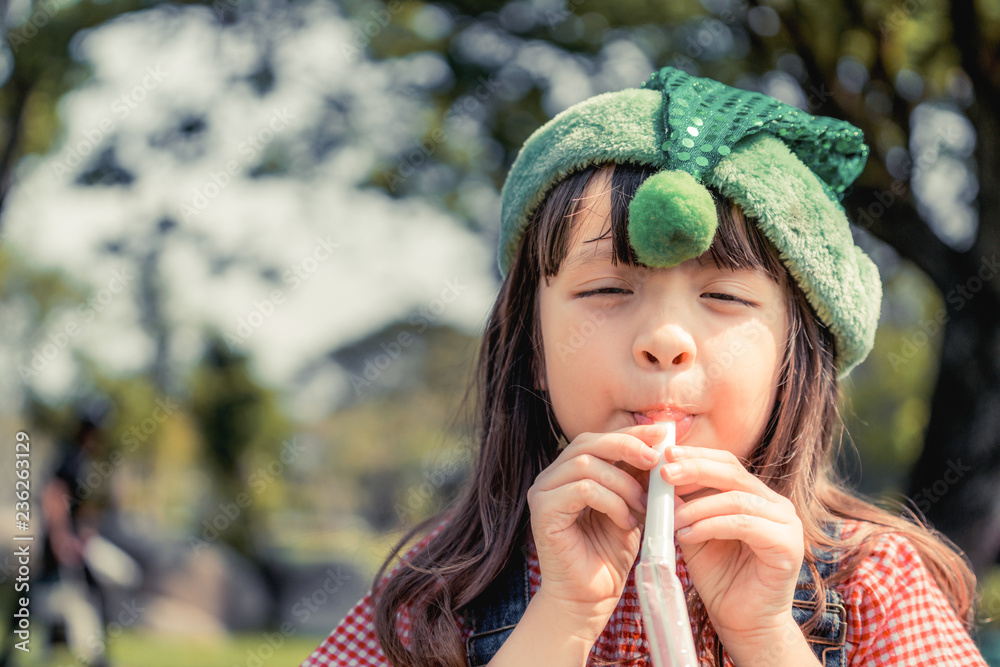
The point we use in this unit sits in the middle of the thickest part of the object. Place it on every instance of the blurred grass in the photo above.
(140, 649)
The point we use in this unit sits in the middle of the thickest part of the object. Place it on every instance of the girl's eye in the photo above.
(727, 297)
(721, 296)
(604, 290)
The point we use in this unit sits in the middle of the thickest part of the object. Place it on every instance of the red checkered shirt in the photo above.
(896, 615)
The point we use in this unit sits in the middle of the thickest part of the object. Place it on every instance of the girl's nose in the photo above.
(665, 346)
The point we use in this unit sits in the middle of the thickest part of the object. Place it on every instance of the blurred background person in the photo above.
(73, 609)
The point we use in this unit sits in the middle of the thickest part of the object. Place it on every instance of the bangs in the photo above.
(738, 244)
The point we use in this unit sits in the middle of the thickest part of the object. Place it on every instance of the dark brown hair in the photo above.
(519, 437)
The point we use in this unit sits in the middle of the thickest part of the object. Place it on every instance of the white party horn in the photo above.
(661, 596)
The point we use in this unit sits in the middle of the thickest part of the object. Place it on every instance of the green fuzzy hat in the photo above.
(785, 168)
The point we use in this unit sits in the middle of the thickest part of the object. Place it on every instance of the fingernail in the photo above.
(684, 531)
(650, 454)
(673, 469)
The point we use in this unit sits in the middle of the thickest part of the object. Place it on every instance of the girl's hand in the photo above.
(586, 518)
(743, 547)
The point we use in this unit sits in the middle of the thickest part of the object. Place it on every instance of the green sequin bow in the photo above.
(703, 119)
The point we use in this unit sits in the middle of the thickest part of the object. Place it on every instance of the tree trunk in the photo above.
(954, 482)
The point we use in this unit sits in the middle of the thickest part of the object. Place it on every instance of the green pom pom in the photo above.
(671, 219)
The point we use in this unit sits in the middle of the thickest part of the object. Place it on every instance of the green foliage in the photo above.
(889, 393)
(46, 290)
(233, 411)
(240, 424)
(396, 457)
(43, 69)
(134, 648)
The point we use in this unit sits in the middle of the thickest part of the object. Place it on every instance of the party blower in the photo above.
(661, 596)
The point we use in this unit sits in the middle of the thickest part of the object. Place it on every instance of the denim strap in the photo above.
(496, 611)
(827, 639)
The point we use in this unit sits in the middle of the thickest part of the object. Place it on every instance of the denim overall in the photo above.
(495, 612)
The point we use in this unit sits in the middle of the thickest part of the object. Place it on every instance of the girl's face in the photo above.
(628, 345)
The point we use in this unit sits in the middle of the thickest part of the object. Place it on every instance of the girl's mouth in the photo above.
(683, 420)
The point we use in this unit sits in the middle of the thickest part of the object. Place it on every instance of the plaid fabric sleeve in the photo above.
(353, 643)
(897, 614)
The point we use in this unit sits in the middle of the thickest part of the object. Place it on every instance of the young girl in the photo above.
(671, 252)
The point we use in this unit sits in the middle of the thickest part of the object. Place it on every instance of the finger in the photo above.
(633, 445)
(588, 466)
(778, 548)
(651, 434)
(728, 504)
(678, 452)
(571, 499)
(721, 471)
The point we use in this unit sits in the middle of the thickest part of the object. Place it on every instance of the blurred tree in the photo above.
(913, 55)
(37, 37)
(240, 423)
(402, 437)
(29, 297)
(921, 79)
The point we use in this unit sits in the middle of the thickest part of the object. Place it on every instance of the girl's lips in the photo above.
(684, 423)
